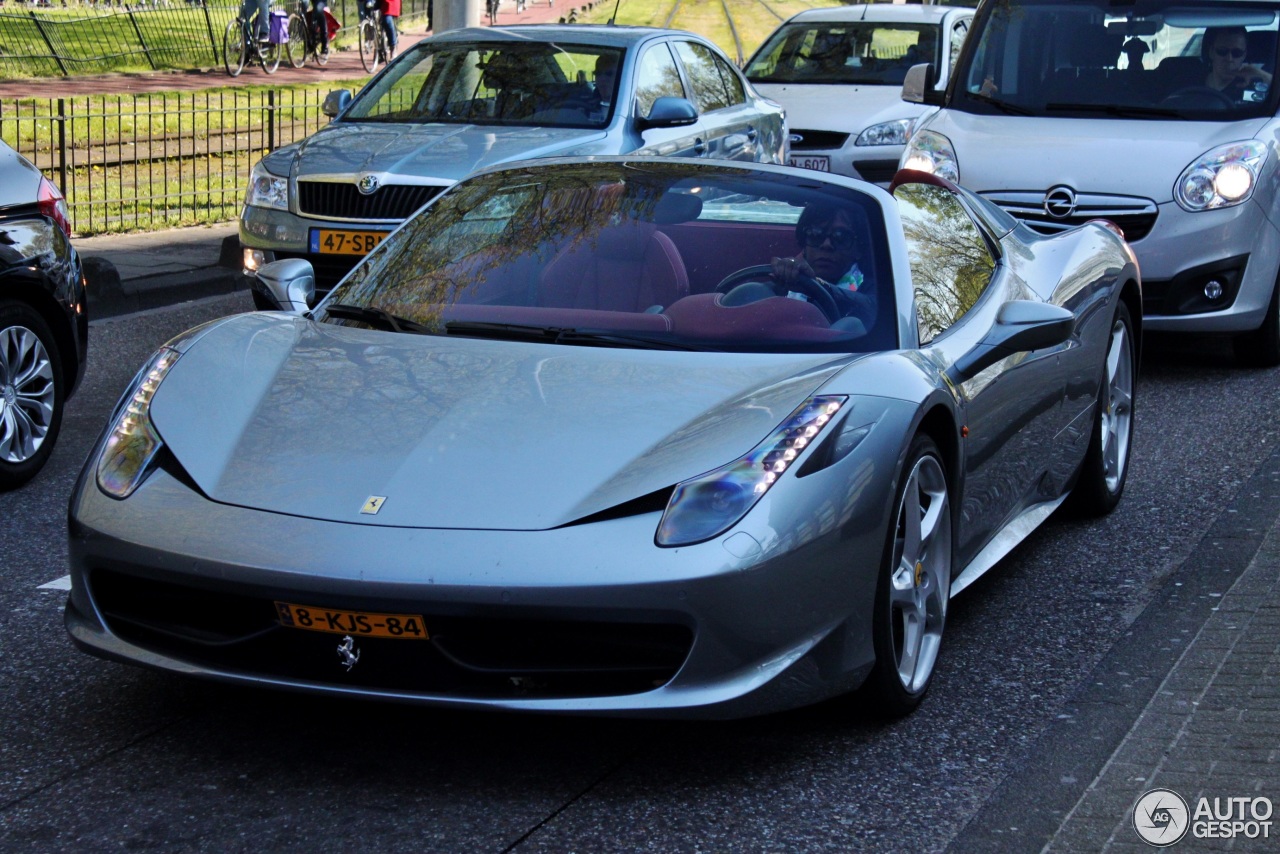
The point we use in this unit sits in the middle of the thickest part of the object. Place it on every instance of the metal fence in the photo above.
(96, 38)
(130, 162)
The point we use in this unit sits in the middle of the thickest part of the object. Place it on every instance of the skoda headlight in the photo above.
(712, 503)
(1222, 177)
(885, 133)
(133, 442)
(267, 190)
(929, 151)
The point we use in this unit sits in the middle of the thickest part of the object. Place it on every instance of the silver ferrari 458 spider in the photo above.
(614, 435)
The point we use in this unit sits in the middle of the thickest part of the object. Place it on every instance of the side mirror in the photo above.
(290, 284)
(335, 102)
(920, 85)
(1021, 326)
(669, 112)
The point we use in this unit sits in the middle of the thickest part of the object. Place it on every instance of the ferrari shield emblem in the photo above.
(373, 504)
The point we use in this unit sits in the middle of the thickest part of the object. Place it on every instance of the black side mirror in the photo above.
(1021, 326)
(669, 112)
(920, 86)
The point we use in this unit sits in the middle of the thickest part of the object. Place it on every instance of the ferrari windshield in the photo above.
(844, 52)
(635, 254)
(1150, 59)
(505, 83)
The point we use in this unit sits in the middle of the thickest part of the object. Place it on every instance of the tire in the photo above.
(368, 38)
(914, 585)
(296, 46)
(269, 56)
(1106, 462)
(32, 393)
(1261, 347)
(234, 48)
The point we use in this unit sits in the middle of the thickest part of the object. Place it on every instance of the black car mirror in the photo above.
(335, 102)
(669, 112)
(920, 85)
(1021, 326)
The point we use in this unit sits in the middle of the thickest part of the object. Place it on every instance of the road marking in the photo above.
(63, 583)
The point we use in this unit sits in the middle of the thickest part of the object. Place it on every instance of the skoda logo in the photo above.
(367, 184)
(1060, 202)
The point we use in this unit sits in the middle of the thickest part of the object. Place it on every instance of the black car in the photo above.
(44, 327)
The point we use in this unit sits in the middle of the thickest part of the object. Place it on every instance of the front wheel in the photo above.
(1106, 462)
(234, 48)
(31, 393)
(296, 46)
(1261, 347)
(368, 37)
(269, 56)
(914, 584)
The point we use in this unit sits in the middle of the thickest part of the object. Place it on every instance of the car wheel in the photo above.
(1261, 347)
(914, 584)
(31, 393)
(1106, 462)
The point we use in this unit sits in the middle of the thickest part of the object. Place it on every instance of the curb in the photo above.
(108, 296)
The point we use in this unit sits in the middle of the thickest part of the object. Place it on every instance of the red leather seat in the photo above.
(629, 267)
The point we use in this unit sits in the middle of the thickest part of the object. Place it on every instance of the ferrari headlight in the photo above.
(1222, 177)
(711, 503)
(133, 442)
(929, 151)
(885, 133)
(267, 190)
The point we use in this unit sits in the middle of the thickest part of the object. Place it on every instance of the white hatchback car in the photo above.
(1159, 115)
(839, 73)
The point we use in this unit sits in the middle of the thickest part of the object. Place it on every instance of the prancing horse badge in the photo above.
(373, 504)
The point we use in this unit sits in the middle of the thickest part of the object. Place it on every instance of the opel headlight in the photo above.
(267, 190)
(1222, 177)
(929, 151)
(712, 503)
(133, 442)
(885, 133)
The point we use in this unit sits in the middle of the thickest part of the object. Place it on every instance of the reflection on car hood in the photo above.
(1128, 157)
(809, 106)
(286, 415)
(444, 151)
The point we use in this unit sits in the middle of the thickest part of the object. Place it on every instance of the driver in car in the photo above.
(1225, 48)
(830, 246)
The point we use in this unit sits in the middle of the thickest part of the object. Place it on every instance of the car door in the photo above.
(658, 76)
(1011, 409)
(729, 118)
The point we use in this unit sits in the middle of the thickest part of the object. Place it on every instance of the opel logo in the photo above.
(1060, 202)
(367, 184)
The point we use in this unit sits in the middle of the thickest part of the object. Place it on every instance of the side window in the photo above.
(709, 92)
(950, 262)
(958, 32)
(732, 82)
(656, 77)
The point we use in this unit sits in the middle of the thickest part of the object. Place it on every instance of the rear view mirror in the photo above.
(1021, 326)
(669, 112)
(920, 85)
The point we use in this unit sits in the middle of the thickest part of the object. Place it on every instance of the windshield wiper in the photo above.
(1115, 110)
(376, 317)
(1003, 106)
(561, 335)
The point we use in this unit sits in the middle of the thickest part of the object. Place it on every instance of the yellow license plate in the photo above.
(359, 623)
(325, 241)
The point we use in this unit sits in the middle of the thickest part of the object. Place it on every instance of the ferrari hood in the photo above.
(286, 415)
(1126, 157)
(445, 152)
(856, 108)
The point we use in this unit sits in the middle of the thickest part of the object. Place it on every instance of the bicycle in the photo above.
(304, 37)
(240, 45)
(374, 49)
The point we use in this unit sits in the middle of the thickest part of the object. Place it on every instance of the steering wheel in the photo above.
(815, 290)
(1198, 98)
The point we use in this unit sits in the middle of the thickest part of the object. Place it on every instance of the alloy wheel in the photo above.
(1118, 416)
(27, 394)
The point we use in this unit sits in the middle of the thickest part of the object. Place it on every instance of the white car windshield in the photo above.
(635, 254)
(1153, 59)
(505, 83)
(844, 52)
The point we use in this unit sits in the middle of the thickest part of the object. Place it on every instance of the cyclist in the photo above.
(390, 11)
(321, 24)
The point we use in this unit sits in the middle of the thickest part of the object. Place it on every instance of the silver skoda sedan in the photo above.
(640, 436)
(472, 98)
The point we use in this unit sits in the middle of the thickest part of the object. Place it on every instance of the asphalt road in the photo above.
(95, 755)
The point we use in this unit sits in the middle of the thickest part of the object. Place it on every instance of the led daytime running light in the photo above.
(133, 443)
(709, 504)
